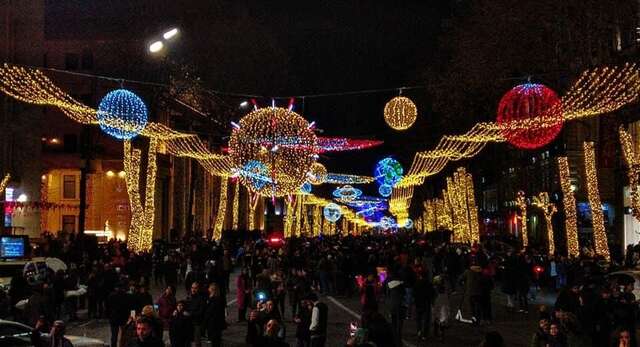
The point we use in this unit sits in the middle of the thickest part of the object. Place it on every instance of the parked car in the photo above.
(18, 334)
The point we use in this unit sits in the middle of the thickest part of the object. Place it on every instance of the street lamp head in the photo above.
(170, 34)
(244, 104)
(156, 47)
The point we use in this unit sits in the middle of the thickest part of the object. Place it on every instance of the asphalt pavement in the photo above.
(516, 328)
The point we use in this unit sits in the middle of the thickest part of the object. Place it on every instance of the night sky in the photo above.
(282, 48)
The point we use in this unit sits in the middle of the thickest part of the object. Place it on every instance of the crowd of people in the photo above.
(395, 277)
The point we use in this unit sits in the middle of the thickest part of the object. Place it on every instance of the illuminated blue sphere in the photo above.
(332, 212)
(387, 223)
(347, 193)
(388, 171)
(385, 190)
(256, 174)
(305, 188)
(122, 114)
(408, 224)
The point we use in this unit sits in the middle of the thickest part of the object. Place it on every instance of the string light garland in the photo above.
(400, 113)
(474, 225)
(385, 190)
(5, 182)
(340, 144)
(222, 210)
(332, 212)
(317, 220)
(538, 106)
(335, 178)
(140, 236)
(282, 141)
(597, 217)
(252, 213)
(569, 202)
(632, 159)
(236, 206)
(124, 108)
(317, 174)
(521, 202)
(549, 209)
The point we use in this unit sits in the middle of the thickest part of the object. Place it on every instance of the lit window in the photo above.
(68, 187)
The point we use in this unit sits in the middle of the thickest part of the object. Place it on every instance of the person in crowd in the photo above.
(271, 338)
(144, 334)
(319, 318)
(622, 338)
(167, 305)
(243, 293)
(56, 336)
(214, 315)
(556, 338)
(541, 337)
(473, 291)
(423, 298)
(119, 306)
(196, 304)
(150, 314)
(441, 306)
(303, 322)
(180, 326)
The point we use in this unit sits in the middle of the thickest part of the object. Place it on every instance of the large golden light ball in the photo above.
(317, 174)
(400, 113)
(272, 150)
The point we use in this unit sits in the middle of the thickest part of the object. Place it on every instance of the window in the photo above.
(70, 143)
(68, 187)
(69, 224)
(87, 60)
(71, 61)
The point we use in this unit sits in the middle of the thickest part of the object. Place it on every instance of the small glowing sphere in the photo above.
(385, 190)
(387, 223)
(122, 114)
(317, 174)
(332, 212)
(400, 113)
(388, 171)
(255, 174)
(305, 188)
(408, 223)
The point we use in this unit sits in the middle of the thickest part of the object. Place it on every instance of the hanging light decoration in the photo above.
(305, 188)
(317, 174)
(347, 193)
(282, 141)
(387, 222)
(530, 115)
(122, 114)
(385, 190)
(400, 113)
(388, 171)
(332, 212)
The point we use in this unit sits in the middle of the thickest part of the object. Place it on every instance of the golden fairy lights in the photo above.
(599, 234)
(222, 210)
(400, 113)
(456, 210)
(632, 159)
(140, 236)
(521, 202)
(317, 174)
(5, 182)
(236, 206)
(597, 91)
(548, 209)
(569, 202)
(273, 149)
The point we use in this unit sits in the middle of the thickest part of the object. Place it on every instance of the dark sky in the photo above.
(291, 48)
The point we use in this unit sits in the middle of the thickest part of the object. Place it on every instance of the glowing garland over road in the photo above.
(599, 233)
(597, 91)
(569, 203)
(222, 210)
(549, 209)
(236, 204)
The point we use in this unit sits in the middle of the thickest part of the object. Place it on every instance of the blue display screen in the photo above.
(11, 247)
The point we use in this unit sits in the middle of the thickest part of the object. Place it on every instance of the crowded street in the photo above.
(210, 173)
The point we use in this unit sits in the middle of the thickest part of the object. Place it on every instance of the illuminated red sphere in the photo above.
(530, 116)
